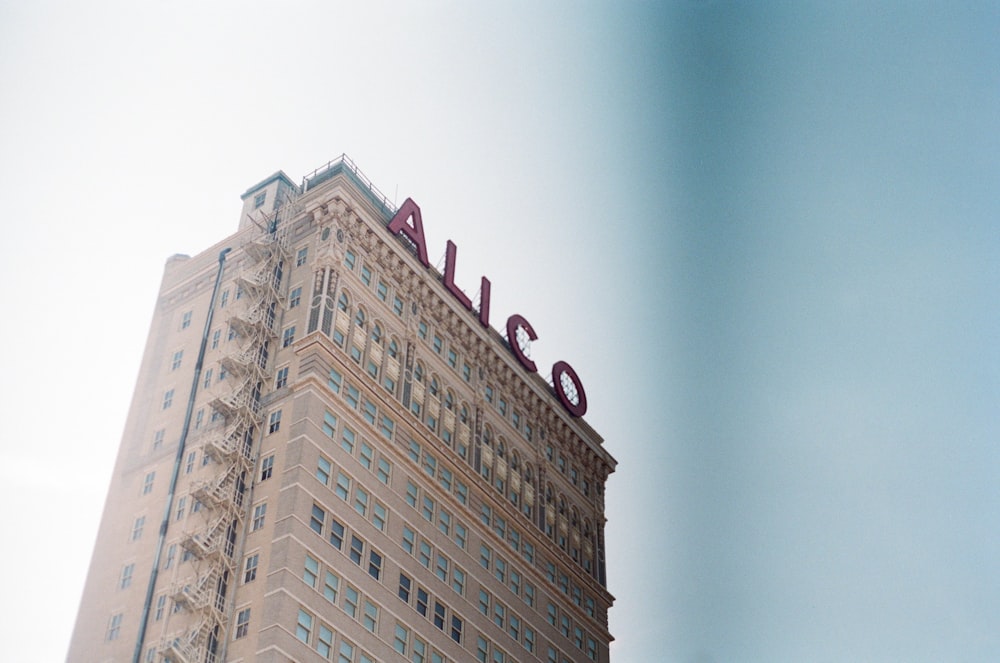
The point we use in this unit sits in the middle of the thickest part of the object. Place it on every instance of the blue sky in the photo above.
(763, 235)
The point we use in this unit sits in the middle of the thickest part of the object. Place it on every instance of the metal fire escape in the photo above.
(231, 447)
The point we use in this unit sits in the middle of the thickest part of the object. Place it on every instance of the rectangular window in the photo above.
(301, 256)
(444, 522)
(499, 614)
(258, 200)
(422, 330)
(404, 588)
(384, 470)
(382, 290)
(485, 557)
(458, 581)
(171, 553)
(564, 625)
(411, 494)
(439, 615)
(441, 567)
(361, 501)
(370, 618)
(529, 638)
(288, 336)
(401, 638)
(515, 582)
(181, 507)
(514, 627)
(370, 412)
(175, 362)
(259, 512)
(428, 509)
(199, 418)
(147, 483)
(324, 641)
(274, 423)
(347, 440)
(591, 648)
(484, 602)
(461, 535)
(336, 379)
(351, 600)
(578, 637)
(408, 539)
(266, 467)
(422, 600)
(456, 628)
(374, 564)
(500, 569)
(216, 335)
(388, 427)
(366, 455)
(331, 584)
(161, 603)
(303, 627)
(379, 516)
(137, 526)
(366, 275)
(397, 306)
(310, 573)
(424, 554)
(168, 399)
(224, 299)
(323, 470)
(317, 519)
(295, 297)
(352, 396)
(357, 549)
(528, 552)
(529, 594)
(242, 623)
(461, 492)
(186, 320)
(281, 378)
(126, 576)
(158, 438)
(114, 627)
(250, 569)
(336, 534)
(343, 488)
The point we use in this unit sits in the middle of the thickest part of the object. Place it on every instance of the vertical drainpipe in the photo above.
(140, 640)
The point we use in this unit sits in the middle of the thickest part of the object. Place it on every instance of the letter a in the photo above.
(415, 232)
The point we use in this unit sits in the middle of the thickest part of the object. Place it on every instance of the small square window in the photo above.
(258, 200)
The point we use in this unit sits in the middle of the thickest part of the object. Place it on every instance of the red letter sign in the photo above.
(414, 232)
(449, 275)
(513, 322)
(559, 370)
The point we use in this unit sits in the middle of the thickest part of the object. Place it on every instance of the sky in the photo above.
(764, 234)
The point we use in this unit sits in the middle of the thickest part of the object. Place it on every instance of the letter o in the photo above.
(579, 408)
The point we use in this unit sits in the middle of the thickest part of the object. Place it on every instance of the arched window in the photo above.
(393, 349)
(359, 319)
(377, 334)
(343, 303)
(434, 386)
(449, 400)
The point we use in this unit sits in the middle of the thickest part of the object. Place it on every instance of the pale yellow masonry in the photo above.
(329, 457)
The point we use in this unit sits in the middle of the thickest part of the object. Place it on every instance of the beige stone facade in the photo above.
(358, 470)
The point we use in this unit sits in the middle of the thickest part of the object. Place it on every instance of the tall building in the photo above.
(331, 454)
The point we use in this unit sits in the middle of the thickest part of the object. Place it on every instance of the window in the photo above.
(369, 412)
(274, 423)
(424, 553)
(458, 581)
(258, 200)
(168, 399)
(199, 418)
(323, 470)
(366, 275)
(384, 470)
(564, 625)
(352, 396)
(346, 652)
(126, 576)
(208, 379)
(288, 336)
(281, 378)
(242, 623)
(357, 549)
(224, 299)
(324, 641)
(186, 320)
(441, 568)
(336, 534)
(347, 440)
(529, 594)
(343, 488)
(175, 363)
(215, 338)
(411, 494)
(316, 519)
(379, 516)
(461, 535)
(181, 507)
(402, 637)
(439, 615)
(295, 297)
(330, 586)
(147, 483)
(514, 627)
(408, 540)
(374, 564)
(114, 627)
(370, 618)
(366, 455)
(266, 468)
(349, 259)
(137, 526)
(438, 344)
(397, 306)
(382, 290)
(300, 257)
(404, 588)
(310, 572)
(161, 603)
(456, 628)
(259, 512)
(422, 330)
(329, 424)
(250, 569)
(303, 627)
(422, 601)
(529, 638)
(189, 465)
(158, 438)
(351, 599)
(466, 372)
(171, 553)
(335, 381)
(452, 358)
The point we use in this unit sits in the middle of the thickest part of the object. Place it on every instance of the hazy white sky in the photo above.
(765, 237)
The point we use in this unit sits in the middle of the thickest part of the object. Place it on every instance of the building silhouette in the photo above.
(330, 454)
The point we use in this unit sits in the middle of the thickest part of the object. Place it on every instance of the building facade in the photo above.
(331, 455)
